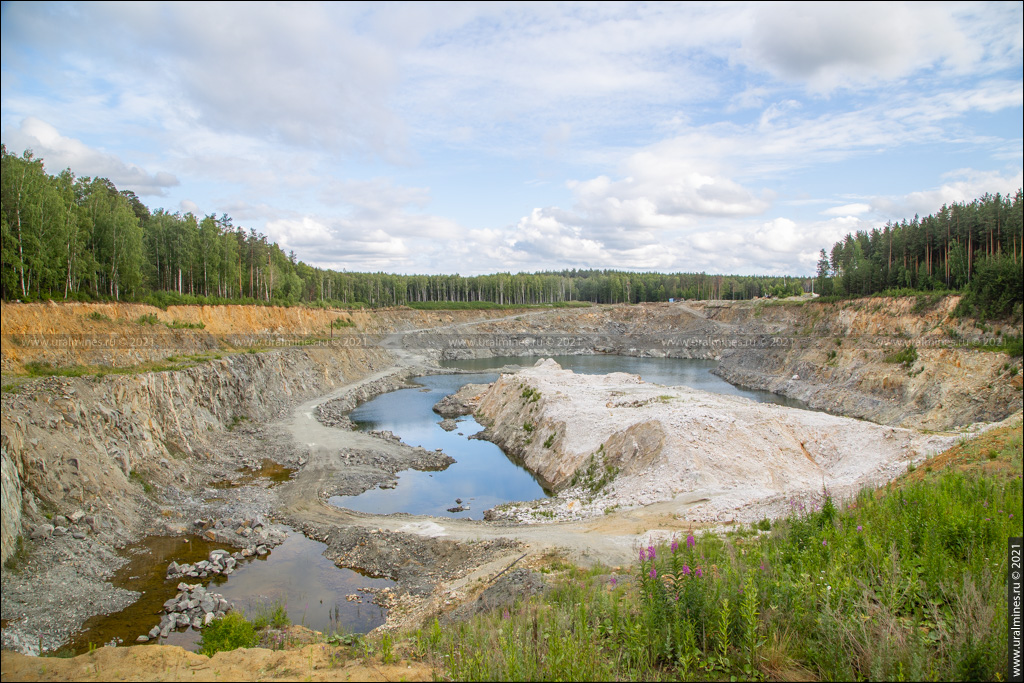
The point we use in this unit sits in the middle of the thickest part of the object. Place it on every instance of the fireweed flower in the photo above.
(824, 541)
(686, 569)
(653, 573)
(860, 528)
(675, 545)
(700, 573)
(691, 541)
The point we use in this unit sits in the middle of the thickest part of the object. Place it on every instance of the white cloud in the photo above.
(835, 45)
(847, 210)
(59, 152)
(963, 185)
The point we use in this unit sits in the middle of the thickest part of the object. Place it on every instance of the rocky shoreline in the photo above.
(90, 465)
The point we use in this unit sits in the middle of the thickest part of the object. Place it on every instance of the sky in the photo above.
(475, 138)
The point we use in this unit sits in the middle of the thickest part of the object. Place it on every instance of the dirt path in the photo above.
(330, 451)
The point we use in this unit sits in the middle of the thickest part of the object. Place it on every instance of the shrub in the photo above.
(230, 632)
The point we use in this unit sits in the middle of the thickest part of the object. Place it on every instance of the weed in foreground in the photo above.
(903, 583)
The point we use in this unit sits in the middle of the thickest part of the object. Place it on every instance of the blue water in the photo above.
(482, 476)
(669, 372)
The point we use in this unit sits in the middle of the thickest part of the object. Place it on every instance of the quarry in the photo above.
(231, 426)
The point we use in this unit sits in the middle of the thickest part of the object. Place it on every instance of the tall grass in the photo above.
(903, 583)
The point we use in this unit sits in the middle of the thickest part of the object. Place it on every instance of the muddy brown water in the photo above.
(314, 592)
(269, 471)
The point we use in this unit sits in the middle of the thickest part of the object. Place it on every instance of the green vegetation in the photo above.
(137, 476)
(550, 440)
(82, 239)
(182, 325)
(595, 474)
(230, 632)
(976, 248)
(530, 394)
(43, 369)
(904, 583)
(99, 317)
(148, 319)
(339, 323)
(272, 616)
(906, 356)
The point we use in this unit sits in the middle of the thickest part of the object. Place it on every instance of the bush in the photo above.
(907, 356)
(996, 289)
(230, 632)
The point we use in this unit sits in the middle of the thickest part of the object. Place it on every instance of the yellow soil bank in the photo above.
(170, 663)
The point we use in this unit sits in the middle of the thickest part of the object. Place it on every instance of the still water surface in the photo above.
(483, 476)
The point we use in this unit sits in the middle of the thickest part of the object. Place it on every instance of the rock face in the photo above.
(74, 442)
(629, 442)
(462, 402)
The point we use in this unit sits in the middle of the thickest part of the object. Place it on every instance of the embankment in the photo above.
(622, 442)
(96, 445)
(833, 356)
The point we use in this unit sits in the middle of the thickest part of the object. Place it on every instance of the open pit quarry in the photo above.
(92, 463)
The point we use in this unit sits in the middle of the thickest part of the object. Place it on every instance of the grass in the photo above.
(235, 421)
(905, 582)
(45, 369)
(182, 325)
(906, 356)
(230, 632)
(595, 474)
(137, 476)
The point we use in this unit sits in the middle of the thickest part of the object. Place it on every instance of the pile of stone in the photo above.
(220, 562)
(77, 525)
(335, 414)
(193, 606)
(249, 533)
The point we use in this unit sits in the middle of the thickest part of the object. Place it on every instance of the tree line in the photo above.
(976, 247)
(80, 238)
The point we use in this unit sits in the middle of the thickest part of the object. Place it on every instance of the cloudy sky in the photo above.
(475, 138)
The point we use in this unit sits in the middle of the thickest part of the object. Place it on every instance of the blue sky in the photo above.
(475, 138)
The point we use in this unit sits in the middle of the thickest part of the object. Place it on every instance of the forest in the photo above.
(79, 238)
(975, 247)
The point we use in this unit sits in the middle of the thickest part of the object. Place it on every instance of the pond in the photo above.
(482, 476)
(295, 574)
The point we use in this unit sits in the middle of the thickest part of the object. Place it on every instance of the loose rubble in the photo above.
(254, 535)
(194, 606)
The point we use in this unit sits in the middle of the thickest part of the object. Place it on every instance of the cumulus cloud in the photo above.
(60, 152)
(962, 185)
(832, 45)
